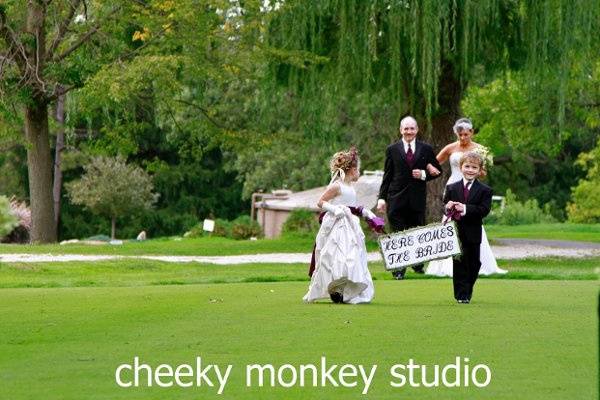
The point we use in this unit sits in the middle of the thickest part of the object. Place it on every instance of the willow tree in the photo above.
(48, 48)
(423, 54)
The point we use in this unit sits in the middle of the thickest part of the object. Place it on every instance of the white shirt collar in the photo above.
(465, 180)
(412, 144)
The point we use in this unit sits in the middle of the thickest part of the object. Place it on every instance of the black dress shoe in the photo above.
(399, 275)
(337, 297)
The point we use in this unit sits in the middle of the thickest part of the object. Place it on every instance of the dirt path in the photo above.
(505, 249)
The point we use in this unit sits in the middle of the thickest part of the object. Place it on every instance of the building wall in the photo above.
(271, 221)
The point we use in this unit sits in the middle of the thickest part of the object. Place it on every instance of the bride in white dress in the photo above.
(463, 128)
(341, 271)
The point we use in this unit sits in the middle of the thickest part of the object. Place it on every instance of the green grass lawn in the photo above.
(539, 338)
(217, 246)
(205, 246)
(149, 272)
(577, 232)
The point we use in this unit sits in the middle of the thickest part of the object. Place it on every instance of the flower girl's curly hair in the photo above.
(344, 160)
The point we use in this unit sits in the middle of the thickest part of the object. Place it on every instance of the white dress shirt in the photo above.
(413, 146)
(465, 182)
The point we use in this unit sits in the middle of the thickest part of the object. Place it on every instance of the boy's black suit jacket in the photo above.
(478, 206)
(398, 187)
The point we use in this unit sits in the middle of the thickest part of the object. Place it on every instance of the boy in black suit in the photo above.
(470, 200)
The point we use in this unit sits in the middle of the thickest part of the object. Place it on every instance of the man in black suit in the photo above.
(472, 200)
(403, 191)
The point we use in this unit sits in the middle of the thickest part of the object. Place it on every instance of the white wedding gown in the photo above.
(341, 255)
(443, 267)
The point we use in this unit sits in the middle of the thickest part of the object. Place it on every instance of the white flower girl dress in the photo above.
(341, 255)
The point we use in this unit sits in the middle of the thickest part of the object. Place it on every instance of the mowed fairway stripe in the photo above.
(538, 337)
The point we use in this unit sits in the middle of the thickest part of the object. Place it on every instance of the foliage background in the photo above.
(221, 101)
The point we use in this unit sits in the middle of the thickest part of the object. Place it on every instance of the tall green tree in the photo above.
(534, 156)
(174, 111)
(48, 48)
(423, 54)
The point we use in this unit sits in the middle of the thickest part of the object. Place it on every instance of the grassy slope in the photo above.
(148, 272)
(538, 338)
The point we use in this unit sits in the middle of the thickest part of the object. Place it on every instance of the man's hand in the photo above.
(417, 173)
(381, 206)
(433, 171)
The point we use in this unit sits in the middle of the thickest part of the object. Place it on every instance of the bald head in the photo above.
(409, 128)
(408, 120)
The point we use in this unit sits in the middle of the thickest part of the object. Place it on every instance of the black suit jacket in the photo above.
(478, 205)
(399, 188)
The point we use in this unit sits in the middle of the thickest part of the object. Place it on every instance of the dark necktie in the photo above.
(410, 157)
(466, 190)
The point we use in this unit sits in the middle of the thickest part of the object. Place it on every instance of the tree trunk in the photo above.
(60, 145)
(449, 96)
(39, 158)
(39, 162)
(113, 227)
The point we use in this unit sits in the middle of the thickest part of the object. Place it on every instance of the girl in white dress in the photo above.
(463, 128)
(341, 271)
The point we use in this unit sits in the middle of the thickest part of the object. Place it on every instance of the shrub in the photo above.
(195, 231)
(240, 228)
(22, 212)
(518, 213)
(301, 222)
(222, 228)
(8, 220)
(160, 223)
(558, 212)
(244, 228)
(584, 206)
(19, 233)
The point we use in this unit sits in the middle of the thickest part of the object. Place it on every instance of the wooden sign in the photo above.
(418, 245)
